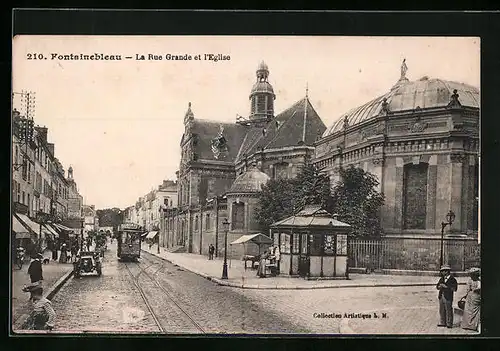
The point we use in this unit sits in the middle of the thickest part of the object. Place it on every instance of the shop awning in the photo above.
(19, 229)
(28, 223)
(49, 231)
(258, 239)
(63, 227)
(52, 230)
(151, 235)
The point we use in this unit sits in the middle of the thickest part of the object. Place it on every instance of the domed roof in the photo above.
(249, 182)
(423, 93)
(262, 87)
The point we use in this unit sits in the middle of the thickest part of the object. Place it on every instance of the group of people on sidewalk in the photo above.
(68, 249)
(470, 303)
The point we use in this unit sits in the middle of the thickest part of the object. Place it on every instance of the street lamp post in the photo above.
(224, 267)
(450, 217)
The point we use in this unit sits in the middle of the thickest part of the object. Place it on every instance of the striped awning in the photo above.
(52, 230)
(63, 227)
(151, 235)
(21, 231)
(28, 223)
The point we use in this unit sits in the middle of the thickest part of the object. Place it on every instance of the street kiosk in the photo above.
(313, 244)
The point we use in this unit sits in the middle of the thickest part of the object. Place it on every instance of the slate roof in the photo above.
(312, 216)
(288, 133)
(207, 130)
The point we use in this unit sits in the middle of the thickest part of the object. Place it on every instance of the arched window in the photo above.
(207, 222)
(280, 170)
(415, 196)
(196, 223)
(238, 216)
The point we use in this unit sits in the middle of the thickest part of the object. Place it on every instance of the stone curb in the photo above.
(276, 287)
(49, 294)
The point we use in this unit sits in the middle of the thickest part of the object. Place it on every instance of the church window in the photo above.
(415, 196)
(196, 223)
(238, 216)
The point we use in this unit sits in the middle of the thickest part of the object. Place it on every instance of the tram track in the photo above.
(135, 280)
(183, 319)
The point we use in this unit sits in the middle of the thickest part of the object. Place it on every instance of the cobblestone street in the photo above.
(409, 310)
(185, 303)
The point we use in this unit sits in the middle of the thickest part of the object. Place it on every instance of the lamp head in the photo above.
(225, 224)
(450, 217)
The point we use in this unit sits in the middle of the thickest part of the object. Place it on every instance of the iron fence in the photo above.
(413, 254)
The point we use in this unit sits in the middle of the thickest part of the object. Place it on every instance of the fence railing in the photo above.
(413, 254)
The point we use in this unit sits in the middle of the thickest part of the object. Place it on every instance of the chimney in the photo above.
(42, 133)
(51, 147)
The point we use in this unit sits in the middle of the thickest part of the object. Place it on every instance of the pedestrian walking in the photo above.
(63, 258)
(35, 272)
(35, 269)
(472, 308)
(447, 286)
(55, 248)
(43, 316)
(211, 250)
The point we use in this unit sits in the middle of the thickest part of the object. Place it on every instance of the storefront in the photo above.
(313, 244)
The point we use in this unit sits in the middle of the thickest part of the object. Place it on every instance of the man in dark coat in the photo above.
(447, 286)
(35, 268)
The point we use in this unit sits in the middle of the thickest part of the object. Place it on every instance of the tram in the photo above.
(129, 242)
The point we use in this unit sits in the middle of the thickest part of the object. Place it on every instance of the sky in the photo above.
(119, 123)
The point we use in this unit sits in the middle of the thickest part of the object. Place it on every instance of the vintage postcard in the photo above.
(246, 185)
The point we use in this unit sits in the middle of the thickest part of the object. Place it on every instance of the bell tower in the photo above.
(262, 95)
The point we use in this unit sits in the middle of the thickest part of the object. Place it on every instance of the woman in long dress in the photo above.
(471, 316)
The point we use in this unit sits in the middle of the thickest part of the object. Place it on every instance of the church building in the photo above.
(421, 140)
(224, 165)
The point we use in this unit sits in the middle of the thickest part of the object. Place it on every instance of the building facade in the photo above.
(40, 190)
(421, 140)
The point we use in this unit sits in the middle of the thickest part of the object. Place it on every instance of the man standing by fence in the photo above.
(447, 286)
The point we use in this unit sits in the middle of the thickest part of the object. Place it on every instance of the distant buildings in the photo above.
(147, 211)
(91, 221)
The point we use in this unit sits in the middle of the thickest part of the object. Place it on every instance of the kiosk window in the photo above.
(316, 244)
(329, 245)
(342, 245)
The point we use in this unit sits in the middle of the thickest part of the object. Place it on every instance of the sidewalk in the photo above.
(238, 277)
(52, 273)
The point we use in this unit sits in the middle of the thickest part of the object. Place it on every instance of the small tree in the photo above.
(276, 201)
(282, 198)
(356, 201)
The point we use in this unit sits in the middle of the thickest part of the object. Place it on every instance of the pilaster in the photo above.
(398, 202)
(431, 193)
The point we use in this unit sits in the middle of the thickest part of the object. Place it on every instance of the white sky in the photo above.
(119, 123)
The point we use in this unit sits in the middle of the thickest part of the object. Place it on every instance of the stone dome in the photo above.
(424, 93)
(249, 182)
